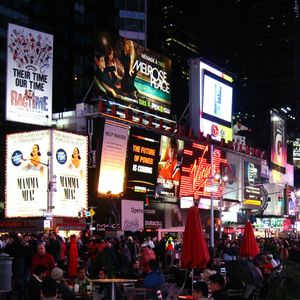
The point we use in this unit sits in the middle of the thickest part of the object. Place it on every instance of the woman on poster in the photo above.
(34, 163)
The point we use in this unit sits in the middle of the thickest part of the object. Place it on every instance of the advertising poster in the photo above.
(132, 75)
(113, 158)
(142, 161)
(154, 216)
(27, 172)
(69, 177)
(296, 153)
(252, 179)
(196, 171)
(278, 142)
(29, 76)
(169, 167)
(132, 215)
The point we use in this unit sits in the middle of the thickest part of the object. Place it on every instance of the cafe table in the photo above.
(113, 281)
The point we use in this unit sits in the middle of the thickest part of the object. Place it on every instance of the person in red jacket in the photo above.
(72, 258)
(43, 258)
(146, 255)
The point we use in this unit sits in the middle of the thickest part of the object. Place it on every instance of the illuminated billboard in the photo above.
(46, 170)
(132, 75)
(252, 184)
(296, 153)
(211, 96)
(196, 178)
(142, 161)
(29, 76)
(113, 158)
(278, 142)
(27, 173)
(169, 167)
(69, 160)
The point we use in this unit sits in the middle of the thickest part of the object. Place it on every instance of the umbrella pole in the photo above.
(192, 279)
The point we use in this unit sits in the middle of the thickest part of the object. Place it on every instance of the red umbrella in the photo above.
(194, 248)
(249, 246)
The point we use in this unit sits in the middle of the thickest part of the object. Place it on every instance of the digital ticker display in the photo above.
(142, 161)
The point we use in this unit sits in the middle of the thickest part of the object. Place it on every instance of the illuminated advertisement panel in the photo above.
(154, 216)
(169, 167)
(196, 171)
(211, 95)
(131, 74)
(132, 215)
(296, 153)
(29, 76)
(27, 173)
(142, 161)
(278, 142)
(113, 158)
(252, 179)
(69, 157)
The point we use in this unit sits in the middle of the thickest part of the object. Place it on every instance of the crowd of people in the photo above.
(47, 266)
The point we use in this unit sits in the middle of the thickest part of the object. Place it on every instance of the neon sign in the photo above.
(196, 171)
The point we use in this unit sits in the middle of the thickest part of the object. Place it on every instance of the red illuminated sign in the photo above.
(196, 171)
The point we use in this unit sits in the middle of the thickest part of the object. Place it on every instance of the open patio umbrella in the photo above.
(194, 247)
(249, 246)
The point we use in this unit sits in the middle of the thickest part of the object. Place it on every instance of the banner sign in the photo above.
(69, 177)
(132, 215)
(113, 158)
(154, 216)
(27, 166)
(29, 76)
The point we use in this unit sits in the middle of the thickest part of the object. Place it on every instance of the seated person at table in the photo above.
(217, 286)
(200, 290)
(83, 286)
(134, 271)
(155, 279)
(104, 289)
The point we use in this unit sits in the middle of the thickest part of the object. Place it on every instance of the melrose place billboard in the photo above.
(132, 74)
(29, 76)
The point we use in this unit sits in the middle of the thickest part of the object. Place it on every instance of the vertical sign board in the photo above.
(132, 215)
(29, 76)
(252, 192)
(169, 168)
(278, 142)
(296, 153)
(142, 160)
(69, 178)
(27, 171)
(196, 171)
(113, 158)
(154, 216)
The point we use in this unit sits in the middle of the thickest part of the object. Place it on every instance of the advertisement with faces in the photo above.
(27, 173)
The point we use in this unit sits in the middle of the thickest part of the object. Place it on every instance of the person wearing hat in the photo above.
(271, 260)
(62, 286)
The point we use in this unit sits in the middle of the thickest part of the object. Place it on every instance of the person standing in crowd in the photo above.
(146, 255)
(200, 290)
(42, 257)
(33, 288)
(48, 289)
(217, 286)
(72, 258)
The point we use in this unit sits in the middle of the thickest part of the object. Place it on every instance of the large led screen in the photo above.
(29, 76)
(278, 142)
(132, 75)
(169, 167)
(142, 161)
(27, 173)
(69, 174)
(196, 179)
(217, 98)
(113, 158)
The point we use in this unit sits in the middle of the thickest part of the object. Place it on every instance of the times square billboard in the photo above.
(29, 76)
(132, 75)
(211, 96)
(46, 170)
